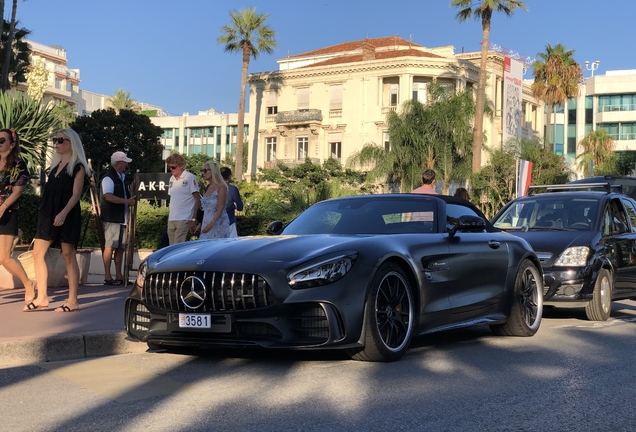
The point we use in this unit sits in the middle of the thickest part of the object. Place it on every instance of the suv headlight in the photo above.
(573, 257)
(322, 273)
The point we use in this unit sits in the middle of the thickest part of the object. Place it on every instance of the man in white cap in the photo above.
(114, 202)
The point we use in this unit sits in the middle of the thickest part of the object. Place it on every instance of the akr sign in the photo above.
(153, 186)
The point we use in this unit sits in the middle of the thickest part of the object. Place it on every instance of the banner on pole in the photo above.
(525, 176)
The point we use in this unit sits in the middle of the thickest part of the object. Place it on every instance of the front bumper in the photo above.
(563, 285)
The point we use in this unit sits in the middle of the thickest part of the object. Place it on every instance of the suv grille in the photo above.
(224, 291)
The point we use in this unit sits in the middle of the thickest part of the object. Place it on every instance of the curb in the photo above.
(67, 347)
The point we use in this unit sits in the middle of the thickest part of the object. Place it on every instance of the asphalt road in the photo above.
(574, 375)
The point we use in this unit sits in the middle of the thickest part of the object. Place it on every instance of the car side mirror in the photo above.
(274, 228)
(465, 223)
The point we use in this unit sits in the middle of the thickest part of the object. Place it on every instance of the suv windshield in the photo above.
(550, 213)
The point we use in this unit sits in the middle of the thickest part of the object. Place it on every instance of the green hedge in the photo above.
(151, 223)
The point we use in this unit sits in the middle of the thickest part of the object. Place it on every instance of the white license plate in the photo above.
(194, 321)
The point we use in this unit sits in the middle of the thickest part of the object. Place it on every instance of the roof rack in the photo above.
(607, 187)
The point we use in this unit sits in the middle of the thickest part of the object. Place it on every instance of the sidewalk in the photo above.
(97, 329)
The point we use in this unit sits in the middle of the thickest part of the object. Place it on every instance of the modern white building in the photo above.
(208, 132)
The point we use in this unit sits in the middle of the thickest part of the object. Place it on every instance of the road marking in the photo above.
(117, 381)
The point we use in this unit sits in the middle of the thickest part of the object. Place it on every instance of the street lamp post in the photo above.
(592, 66)
(164, 154)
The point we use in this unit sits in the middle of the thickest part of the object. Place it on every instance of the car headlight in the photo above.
(322, 273)
(141, 273)
(573, 257)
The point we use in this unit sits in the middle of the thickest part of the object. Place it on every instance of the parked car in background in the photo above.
(586, 242)
(624, 184)
(364, 274)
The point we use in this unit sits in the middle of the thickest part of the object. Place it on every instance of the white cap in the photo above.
(120, 156)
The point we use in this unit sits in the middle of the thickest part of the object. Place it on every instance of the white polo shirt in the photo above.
(181, 199)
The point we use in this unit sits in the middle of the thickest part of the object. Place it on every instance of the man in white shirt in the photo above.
(185, 200)
(114, 202)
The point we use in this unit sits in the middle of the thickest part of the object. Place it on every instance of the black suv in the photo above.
(586, 241)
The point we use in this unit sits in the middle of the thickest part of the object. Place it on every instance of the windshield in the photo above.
(550, 213)
(369, 215)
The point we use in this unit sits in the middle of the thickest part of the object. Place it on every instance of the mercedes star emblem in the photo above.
(193, 292)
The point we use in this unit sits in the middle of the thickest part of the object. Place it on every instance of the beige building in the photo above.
(330, 102)
(63, 82)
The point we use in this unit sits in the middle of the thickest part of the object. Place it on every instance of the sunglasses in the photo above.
(60, 140)
(204, 170)
(172, 167)
(3, 140)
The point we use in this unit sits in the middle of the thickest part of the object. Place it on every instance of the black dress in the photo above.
(57, 193)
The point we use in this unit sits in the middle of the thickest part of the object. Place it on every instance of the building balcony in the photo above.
(299, 117)
(291, 163)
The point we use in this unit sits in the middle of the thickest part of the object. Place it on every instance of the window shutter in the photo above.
(302, 95)
(272, 99)
(335, 102)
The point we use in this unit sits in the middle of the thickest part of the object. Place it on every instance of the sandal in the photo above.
(31, 307)
(109, 282)
(118, 282)
(65, 308)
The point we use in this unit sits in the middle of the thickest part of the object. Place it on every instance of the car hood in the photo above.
(554, 241)
(232, 254)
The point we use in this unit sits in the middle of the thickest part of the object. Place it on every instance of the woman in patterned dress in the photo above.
(216, 223)
(60, 218)
(13, 177)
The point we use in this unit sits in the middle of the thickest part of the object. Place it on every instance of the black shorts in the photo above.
(9, 223)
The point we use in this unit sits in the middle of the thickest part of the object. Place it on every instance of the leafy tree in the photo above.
(105, 131)
(121, 100)
(249, 35)
(436, 136)
(19, 61)
(37, 78)
(556, 78)
(497, 181)
(32, 121)
(483, 11)
(598, 147)
(64, 113)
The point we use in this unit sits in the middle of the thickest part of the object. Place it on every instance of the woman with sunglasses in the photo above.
(59, 219)
(13, 177)
(216, 223)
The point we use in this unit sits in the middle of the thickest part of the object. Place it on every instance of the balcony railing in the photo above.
(386, 110)
(299, 116)
(621, 107)
(291, 163)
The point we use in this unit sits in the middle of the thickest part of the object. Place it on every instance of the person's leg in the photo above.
(14, 267)
(172, 228)
(72, 272)
(107, 257)
(119, 259)
(182, 228)
(41, 274)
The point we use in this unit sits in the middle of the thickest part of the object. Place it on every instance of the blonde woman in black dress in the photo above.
(59, 219)
(13, 177)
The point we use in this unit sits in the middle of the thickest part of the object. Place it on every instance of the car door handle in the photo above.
(494, 244)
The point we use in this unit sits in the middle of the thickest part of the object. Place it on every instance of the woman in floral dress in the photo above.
(13, 177)
(216, 223)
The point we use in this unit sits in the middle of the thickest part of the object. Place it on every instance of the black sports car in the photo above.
(586, 242)
(364, 273)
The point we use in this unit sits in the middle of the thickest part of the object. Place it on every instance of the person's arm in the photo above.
(18, 182)
(78, 184)
(118, 200)
(15, 195)
(237, 199)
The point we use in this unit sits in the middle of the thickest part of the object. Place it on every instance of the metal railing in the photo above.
(299, 116)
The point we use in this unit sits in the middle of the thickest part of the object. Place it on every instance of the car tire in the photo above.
(600, 307)
(389, 316)
(527, 303)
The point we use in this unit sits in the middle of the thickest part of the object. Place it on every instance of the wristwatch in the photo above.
(193, 220)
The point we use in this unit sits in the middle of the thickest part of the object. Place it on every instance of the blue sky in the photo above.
(164, 52)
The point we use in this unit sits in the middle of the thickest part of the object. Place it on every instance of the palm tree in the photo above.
(556, 78)
(483, 11)
(4, 79)
(121, 100)
(19, 60)
(598, 148)
(64, 113)
(249, 35)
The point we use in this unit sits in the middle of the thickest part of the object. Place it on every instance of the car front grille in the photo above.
(224, 291)
(311, 324)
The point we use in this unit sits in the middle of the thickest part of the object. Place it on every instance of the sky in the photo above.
(164, 52)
